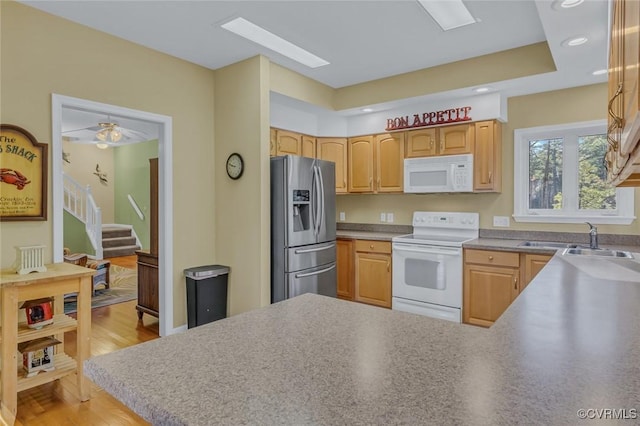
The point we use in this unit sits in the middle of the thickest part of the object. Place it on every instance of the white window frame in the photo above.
(623, 214)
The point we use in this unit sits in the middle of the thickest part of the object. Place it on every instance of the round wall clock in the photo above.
(235, 166)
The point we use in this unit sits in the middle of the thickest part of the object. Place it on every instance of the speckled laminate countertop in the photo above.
(367, 235)
(570, 341)
(503, 244)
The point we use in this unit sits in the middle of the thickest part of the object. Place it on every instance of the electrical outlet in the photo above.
(501, 221)
(342, 216)
(383, 217)
(390, 217)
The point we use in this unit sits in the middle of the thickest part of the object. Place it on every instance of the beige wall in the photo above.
(505, 65)
(82, 166)
(243, 219)
(43, 54)
(556, 107)
(297, 86)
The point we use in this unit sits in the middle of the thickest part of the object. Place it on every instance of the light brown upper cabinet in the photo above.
(273, 140)
(623, 156)
(308, 146)
(455, 139)
(376, 163)
(335, 149)
(422, 143)
(443, 140)
(389, 164)
(360, 164)
(288, 143)
(487, 158)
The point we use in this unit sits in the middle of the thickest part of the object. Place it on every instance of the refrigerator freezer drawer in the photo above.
(320, 280)
(310, 256)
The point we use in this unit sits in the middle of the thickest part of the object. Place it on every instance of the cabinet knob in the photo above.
(388, 267)
(371, 246)
(490, 257)
(515, 283)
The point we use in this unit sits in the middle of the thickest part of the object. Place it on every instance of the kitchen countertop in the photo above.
(503, 244)
(570, 341)
(367, 235)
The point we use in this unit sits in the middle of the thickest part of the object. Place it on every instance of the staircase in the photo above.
(118, 241)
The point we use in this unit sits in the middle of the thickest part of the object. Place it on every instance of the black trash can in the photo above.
(206, 294)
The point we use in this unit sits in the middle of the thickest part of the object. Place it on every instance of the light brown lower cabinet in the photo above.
(373, 272)
(344, 265)
(492, 280)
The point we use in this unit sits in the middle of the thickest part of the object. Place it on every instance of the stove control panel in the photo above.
(446, 220)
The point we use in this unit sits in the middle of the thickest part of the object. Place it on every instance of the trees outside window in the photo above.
(560, 176)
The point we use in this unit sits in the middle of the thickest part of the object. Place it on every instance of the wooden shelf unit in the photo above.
(58, 280)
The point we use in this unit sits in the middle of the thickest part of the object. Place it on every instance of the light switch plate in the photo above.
(501, 221)
(342, 216)
(383, 217)
(390, 217)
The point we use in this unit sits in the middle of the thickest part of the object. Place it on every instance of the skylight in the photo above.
(259, 35)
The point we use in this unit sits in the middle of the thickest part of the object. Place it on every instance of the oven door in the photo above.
(429, 274)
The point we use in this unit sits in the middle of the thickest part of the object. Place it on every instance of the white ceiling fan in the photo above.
(105, 134)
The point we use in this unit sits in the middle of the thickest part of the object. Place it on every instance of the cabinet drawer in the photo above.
(488, 257)
(372, 246)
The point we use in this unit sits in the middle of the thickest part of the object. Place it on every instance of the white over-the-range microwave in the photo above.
(446, 173)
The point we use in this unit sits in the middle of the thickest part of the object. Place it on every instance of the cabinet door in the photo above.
(631, 76)
(533, 263)
(455, 139)
(487, 159)
(308, 146)
(288, 143)
(335, 149)
(373, 279)
(360, 166)
(421, 143)
(345, 277)
(488, 292)
(273, 140)
(389, 153)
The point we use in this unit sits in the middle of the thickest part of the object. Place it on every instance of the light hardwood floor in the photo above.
(112, 327)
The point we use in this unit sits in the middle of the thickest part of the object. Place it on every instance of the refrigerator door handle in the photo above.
(318, 199)
(322, 217)
(313, 250)
(310, 274)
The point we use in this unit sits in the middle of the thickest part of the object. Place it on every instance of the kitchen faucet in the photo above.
(593, 236)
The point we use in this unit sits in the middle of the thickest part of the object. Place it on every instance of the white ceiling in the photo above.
(363, 40)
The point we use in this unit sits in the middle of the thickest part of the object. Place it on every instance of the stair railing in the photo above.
(79, 202)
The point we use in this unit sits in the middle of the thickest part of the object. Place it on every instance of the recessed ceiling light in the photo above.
(259, 35)
(570, 3)
(367, 110)
(575, 41)
(481, 89)
(448, 14)
(600, 72)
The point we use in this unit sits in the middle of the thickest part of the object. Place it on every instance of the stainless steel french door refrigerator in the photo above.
(303, 227)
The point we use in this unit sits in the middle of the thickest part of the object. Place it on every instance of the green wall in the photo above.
(131, 177)
(75, 236)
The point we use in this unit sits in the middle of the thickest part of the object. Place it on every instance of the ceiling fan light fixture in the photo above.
(102, 145)
(109, 133)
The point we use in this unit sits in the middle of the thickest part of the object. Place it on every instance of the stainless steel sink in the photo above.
(597, 252)
(547, 244)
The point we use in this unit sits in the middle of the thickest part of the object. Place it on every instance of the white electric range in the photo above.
(427, 265)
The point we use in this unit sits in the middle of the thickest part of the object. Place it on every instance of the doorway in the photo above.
(165, 197)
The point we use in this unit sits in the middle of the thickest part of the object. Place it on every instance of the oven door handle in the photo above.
(440, 250)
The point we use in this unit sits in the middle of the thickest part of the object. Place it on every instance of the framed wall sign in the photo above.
(23, 175)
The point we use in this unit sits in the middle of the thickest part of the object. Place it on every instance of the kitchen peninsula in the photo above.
(570, 341)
